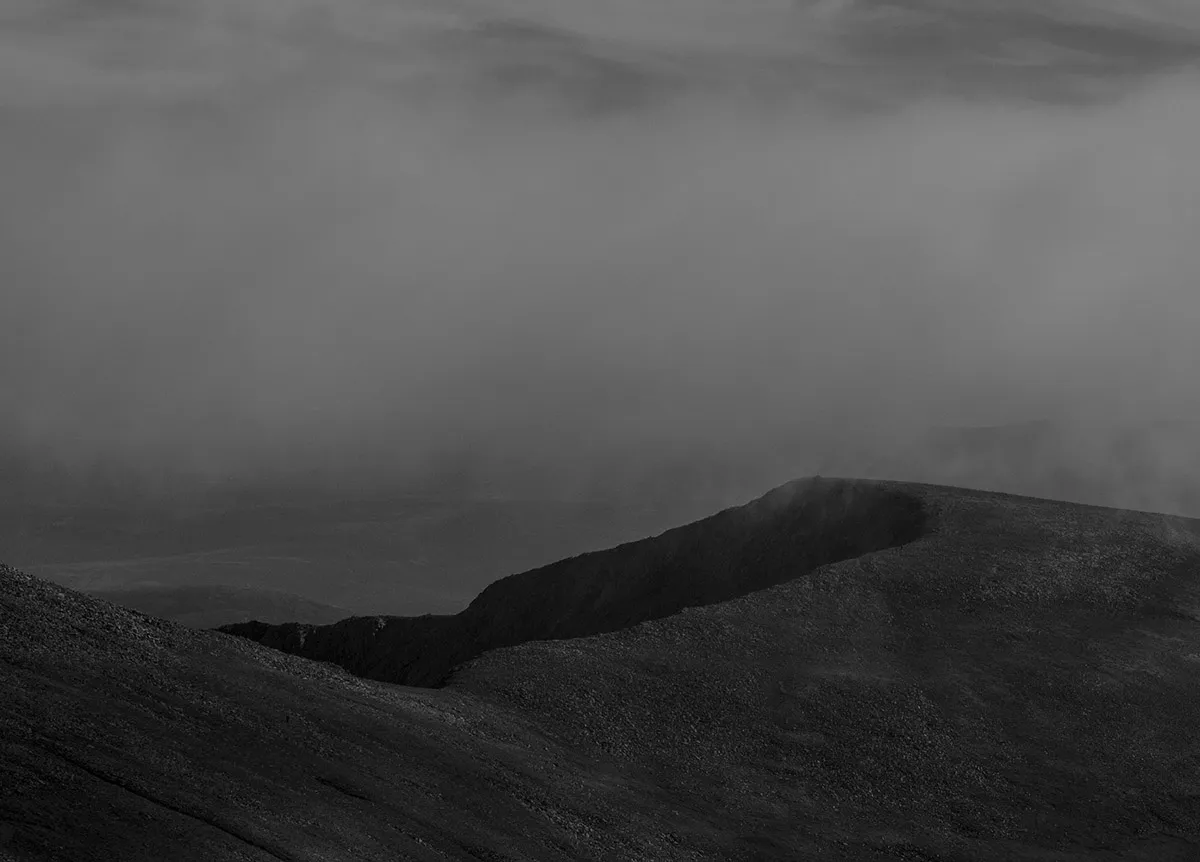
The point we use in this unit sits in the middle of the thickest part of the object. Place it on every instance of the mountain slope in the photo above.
(1018, 682)
(131, 738)
(781, 536)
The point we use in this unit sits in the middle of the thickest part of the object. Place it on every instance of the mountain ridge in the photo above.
(1021, 682)
(801, 525)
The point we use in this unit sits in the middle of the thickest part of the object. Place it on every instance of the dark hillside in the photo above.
(1021, 682)
(776, 538)
(127, 738)
(1041, 659)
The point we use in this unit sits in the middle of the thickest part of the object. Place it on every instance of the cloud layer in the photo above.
(282, 237)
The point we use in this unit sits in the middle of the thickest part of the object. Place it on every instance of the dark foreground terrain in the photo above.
(910, 672)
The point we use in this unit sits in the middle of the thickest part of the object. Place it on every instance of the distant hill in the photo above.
(370, 553)
(1003, 679)
(207, 606)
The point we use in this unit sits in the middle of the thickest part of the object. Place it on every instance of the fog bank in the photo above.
(564, 245)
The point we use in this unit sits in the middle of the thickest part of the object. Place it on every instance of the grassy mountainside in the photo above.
(1018, 682)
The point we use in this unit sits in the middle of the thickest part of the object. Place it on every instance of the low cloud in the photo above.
(363, 240)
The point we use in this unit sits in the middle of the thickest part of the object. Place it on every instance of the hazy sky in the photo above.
(587, 235)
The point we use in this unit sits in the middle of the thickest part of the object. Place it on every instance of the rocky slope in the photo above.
(1018, 682)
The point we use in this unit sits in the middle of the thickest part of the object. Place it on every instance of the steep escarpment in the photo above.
(779, 537)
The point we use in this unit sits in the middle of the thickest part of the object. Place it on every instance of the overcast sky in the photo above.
(586, 236)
